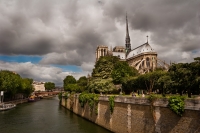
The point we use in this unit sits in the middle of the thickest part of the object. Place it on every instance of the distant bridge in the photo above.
(46, 93)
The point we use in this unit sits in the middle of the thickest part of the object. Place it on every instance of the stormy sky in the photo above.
(49, 39)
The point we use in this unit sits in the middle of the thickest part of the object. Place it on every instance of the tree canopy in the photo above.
(49, 86)
(82, 83)
(71, 85)
(26, 86)
(12, 83)
(110, 72)
(122, 70)
(104, 66)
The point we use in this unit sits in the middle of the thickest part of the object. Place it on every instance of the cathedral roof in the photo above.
(140, 49)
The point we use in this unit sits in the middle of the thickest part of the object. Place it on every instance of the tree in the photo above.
(72, 88)
(185, 77)
(82, 83)
(165, 84)
(104, 66)
(26, 86)
(49, 86)
(9, 82)
(130, 84)
(69, 82)
(151, 78)
(122, 70)
(101, 85)
(197, 59)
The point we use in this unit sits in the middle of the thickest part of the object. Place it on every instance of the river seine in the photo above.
(45, 116)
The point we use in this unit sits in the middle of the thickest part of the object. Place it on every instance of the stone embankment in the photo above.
(138, 115)
(18, 101)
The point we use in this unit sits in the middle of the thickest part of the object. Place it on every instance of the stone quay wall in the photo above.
(19, 101)
(138, 115)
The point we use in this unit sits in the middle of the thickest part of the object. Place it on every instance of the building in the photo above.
(143, 58)
(38, 86)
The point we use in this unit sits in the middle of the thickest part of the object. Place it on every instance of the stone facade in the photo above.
(38, 86)
(136, 115)
(144, 62)
(101, 51)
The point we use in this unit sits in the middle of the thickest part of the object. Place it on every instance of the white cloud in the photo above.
(67, 32)
(40, 72)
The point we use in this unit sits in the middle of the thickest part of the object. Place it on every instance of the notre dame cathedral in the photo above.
(143, 57)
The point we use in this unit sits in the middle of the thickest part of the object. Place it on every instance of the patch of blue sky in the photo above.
(195, 51)
(21, 58)
(71, 68)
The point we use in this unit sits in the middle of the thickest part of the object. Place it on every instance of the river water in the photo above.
(45, 116)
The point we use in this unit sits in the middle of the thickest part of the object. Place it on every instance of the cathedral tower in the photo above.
(127, 40)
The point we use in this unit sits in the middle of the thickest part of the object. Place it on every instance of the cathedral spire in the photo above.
(127, 32)
(127, 40)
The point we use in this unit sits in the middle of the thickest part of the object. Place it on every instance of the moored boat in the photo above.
(33, 98)
(4, 107)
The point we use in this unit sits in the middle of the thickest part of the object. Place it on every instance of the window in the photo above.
(148, 62)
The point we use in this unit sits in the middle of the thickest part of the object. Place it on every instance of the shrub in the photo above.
(112, 103)
(92, 100)
(176, 104)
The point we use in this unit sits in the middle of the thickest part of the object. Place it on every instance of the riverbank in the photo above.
(131, 114)
(45, 116)
(19, 101)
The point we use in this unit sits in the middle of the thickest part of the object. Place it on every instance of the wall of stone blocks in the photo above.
(137, 115)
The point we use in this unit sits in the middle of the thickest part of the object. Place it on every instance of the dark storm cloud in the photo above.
(41, 27)
(174, 20)
(68, 32)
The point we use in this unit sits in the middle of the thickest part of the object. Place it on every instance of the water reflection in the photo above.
(45, 116)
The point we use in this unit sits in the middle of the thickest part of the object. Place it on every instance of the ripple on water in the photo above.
(45, 116)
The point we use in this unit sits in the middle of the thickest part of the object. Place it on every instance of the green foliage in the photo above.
(66, 95)
(10, 82)
(101, 85)
(82, 83)
(176, 104)
(83, 97)
(122, 70)
(131, 84)
(112, 103)
(72, 88)
(104, 66)
(49, 86)
(71, 85)
(92, 100)
(60, 95)
(71, 97)
(165, 83)
(151, 78)
(26, 86)
(69, 80)
(153, 97)
(197, 59)
(185, 77)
